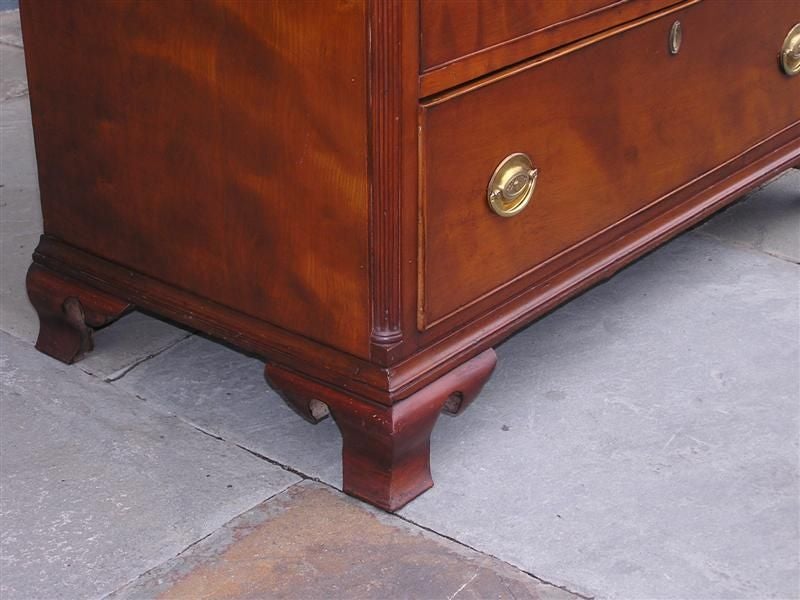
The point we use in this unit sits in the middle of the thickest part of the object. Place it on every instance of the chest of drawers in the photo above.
(370, 194)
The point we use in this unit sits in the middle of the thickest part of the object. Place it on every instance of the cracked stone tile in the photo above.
(96, 488)
(312, 542)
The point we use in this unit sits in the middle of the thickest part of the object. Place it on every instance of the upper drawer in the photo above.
(614, 124)
(484, 35)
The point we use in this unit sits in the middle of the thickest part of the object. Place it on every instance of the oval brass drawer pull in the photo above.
(790, 54)
(512, 184)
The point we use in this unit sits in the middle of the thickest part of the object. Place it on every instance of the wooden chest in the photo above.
(370, 194)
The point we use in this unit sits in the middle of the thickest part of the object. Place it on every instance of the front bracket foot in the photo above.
(385, 449)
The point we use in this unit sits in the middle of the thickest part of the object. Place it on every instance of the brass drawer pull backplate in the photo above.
(512, 184)
(790, 53)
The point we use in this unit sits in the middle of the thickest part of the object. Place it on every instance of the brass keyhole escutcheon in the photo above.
(790, 53)
(675, 37)
(512, 184)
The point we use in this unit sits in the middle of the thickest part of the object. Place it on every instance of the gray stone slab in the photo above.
(17, 155)
(10, 33)
(20, 228)
(98, 488)
(767, 220)
(20, 215)
(642, 441)
(224, 392)
(13, 79)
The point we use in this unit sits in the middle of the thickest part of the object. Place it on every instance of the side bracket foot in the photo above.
(69, 311)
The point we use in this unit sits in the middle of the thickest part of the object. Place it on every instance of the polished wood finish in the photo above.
(69, 312)
(222, 145)
(386, 102)
(465, 39)
(605, 147)
(454, 28)
(300, 180)
(386, 450)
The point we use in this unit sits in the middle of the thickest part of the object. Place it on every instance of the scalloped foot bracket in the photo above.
(69, 311)
(385, 449)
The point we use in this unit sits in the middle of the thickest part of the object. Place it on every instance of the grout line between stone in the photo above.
(197, 541)
(303, 476)
(120, 373)
(136, 577)
(215, 436)
(745, 246)
(18, 338)
(497, 558)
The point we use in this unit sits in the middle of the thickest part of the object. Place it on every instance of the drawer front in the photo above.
(465, 39)
(612, 125)
(454, 28)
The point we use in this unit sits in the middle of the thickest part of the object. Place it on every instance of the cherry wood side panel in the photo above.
(464, 39)
(613, 126)
(219, 146)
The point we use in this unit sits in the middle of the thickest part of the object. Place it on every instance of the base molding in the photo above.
(385, 449)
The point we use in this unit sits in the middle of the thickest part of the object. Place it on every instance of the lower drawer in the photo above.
(612, 124)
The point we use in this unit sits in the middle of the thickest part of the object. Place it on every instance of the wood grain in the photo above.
(385, 93)
(220, 146)
(465, 39)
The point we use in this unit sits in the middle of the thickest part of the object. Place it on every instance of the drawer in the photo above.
(612, 124)
(454, 28)
(464, 39)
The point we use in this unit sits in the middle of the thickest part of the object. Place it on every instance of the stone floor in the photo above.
(639, 442)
